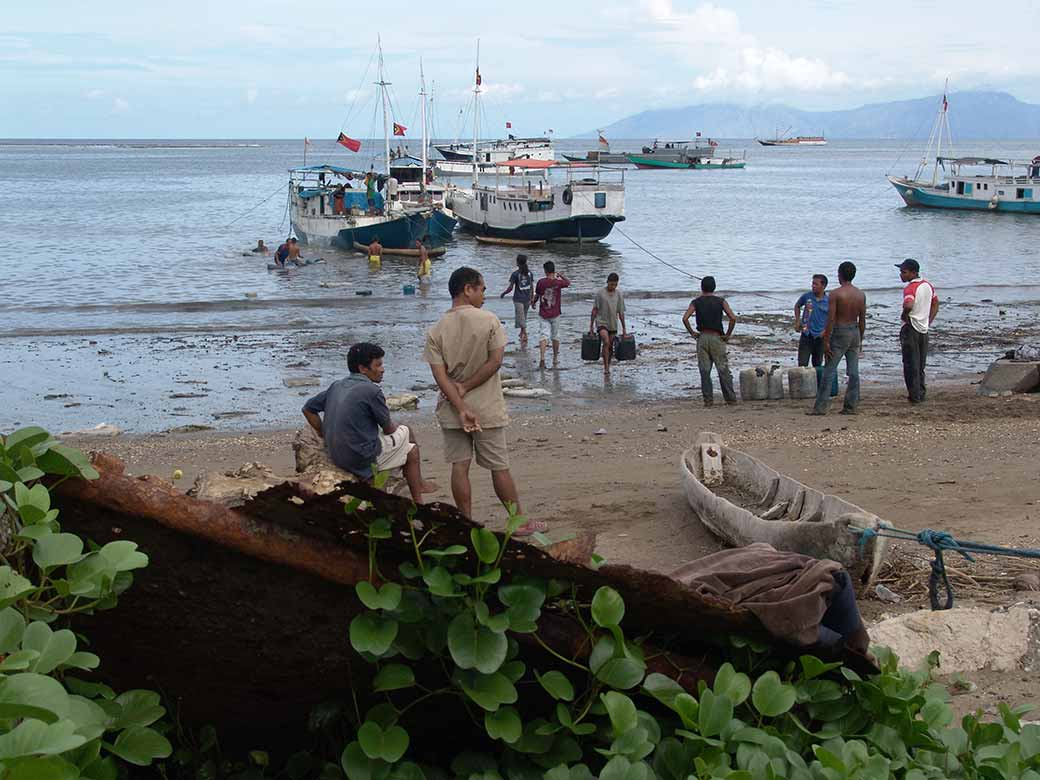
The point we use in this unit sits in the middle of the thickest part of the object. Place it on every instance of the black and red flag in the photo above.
(399, 129)
(353, 144)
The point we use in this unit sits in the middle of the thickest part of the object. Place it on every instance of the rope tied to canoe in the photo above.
(939, 542)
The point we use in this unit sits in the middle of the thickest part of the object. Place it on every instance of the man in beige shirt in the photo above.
(465, 350)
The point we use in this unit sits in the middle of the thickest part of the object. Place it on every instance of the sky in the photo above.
(263, 69)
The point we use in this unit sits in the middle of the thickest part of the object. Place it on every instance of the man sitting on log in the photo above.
(356, 427)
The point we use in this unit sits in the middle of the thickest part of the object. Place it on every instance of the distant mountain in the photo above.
(987, 115)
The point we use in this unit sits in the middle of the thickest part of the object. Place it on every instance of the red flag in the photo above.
(350, 143)
(509, 125)
(712, 144)
(603, 141)
(698, 133)
(399, 129)
(478, 77)
(944, 104)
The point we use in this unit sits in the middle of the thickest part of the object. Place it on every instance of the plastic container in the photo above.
(801, 382)
(408, 289)
(834, 380)
(754, 384)
(625, 347)
(775, 388)
(590, 349)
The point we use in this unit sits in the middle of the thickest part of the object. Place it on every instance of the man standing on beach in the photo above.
(920, 305)
(711, 343)
(810, 319)
(521, 283)
(843, 337)
(607, 310)
(356, 427)
(465, 350)
(548, 296)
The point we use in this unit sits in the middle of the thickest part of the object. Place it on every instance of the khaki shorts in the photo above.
(395, 449)
(489, 445)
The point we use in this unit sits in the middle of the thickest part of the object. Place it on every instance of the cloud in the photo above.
(251, 95)
(120, 106)
(773, 70)
(94, 94)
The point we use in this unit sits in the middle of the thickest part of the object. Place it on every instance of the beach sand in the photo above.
(959, 463)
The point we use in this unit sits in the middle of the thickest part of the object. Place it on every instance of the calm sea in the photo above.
(127, 279)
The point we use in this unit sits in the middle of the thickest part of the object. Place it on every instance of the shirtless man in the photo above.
(294, 252)
(843, 337)
(375, 252)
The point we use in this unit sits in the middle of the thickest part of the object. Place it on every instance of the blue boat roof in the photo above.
(327, 169)
(406, 162)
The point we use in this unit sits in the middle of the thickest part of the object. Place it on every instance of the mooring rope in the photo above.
(939, 542)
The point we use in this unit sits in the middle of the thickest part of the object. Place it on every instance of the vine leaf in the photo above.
(556, 685)
(387, 744)
(476, 647)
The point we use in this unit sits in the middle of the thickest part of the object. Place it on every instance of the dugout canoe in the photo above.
(742, 500)
(433, 251)
(508, 241)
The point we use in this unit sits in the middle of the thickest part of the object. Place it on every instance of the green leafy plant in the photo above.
(453, 609)
(53, 722)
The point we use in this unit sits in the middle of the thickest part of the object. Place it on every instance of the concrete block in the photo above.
(1011, 376)
(968, 639)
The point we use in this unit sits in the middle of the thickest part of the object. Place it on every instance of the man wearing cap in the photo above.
(920, 305)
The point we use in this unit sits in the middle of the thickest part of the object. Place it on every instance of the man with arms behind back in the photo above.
(920, 305)
(843, 337)
(465, 350)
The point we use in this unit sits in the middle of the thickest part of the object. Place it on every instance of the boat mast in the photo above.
(476, 119)
(386, 116)
(938, 144)
(422, 97)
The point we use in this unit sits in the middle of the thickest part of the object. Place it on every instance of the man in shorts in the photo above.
(607, 310)
(548, 295)
(353, 420)
(521, 284)
(465, 350)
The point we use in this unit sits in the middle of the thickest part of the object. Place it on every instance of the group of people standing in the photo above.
(466, 347)
(608, 310)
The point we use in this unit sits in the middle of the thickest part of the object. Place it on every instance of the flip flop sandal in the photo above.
(532, 527)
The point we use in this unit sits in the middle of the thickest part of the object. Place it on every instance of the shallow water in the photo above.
(127, 276)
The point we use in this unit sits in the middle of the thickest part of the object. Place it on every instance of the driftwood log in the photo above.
(242, 614)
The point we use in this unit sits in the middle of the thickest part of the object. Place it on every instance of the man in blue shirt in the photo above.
(356, 426)
(810, 319)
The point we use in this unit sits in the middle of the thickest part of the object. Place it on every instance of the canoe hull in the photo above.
(813, 523)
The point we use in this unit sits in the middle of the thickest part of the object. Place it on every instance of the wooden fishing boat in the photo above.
(742, 500)
(509, 241)
(433, 251)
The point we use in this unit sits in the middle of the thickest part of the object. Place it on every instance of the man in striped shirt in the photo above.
(920, 305)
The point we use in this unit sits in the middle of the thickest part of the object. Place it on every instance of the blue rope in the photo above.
(939, 542)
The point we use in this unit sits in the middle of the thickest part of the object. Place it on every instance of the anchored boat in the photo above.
(782, 139)
(491, 155)
(695, 163)
(325, 207)
(527, 205)
(742, 500)
(968, 185)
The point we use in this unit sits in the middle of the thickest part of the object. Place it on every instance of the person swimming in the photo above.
(261, 248)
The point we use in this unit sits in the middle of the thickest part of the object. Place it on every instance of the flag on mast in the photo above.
(351, 143)
(307, 142)
(399, 129)
(603, 141)
(945, 104)
(478, 77)
(509, 125)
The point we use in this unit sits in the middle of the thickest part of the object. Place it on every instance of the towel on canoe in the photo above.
(788, 592)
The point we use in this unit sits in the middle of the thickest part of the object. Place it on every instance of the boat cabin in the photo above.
(999, 184)
(413, 185)
(331, 191)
